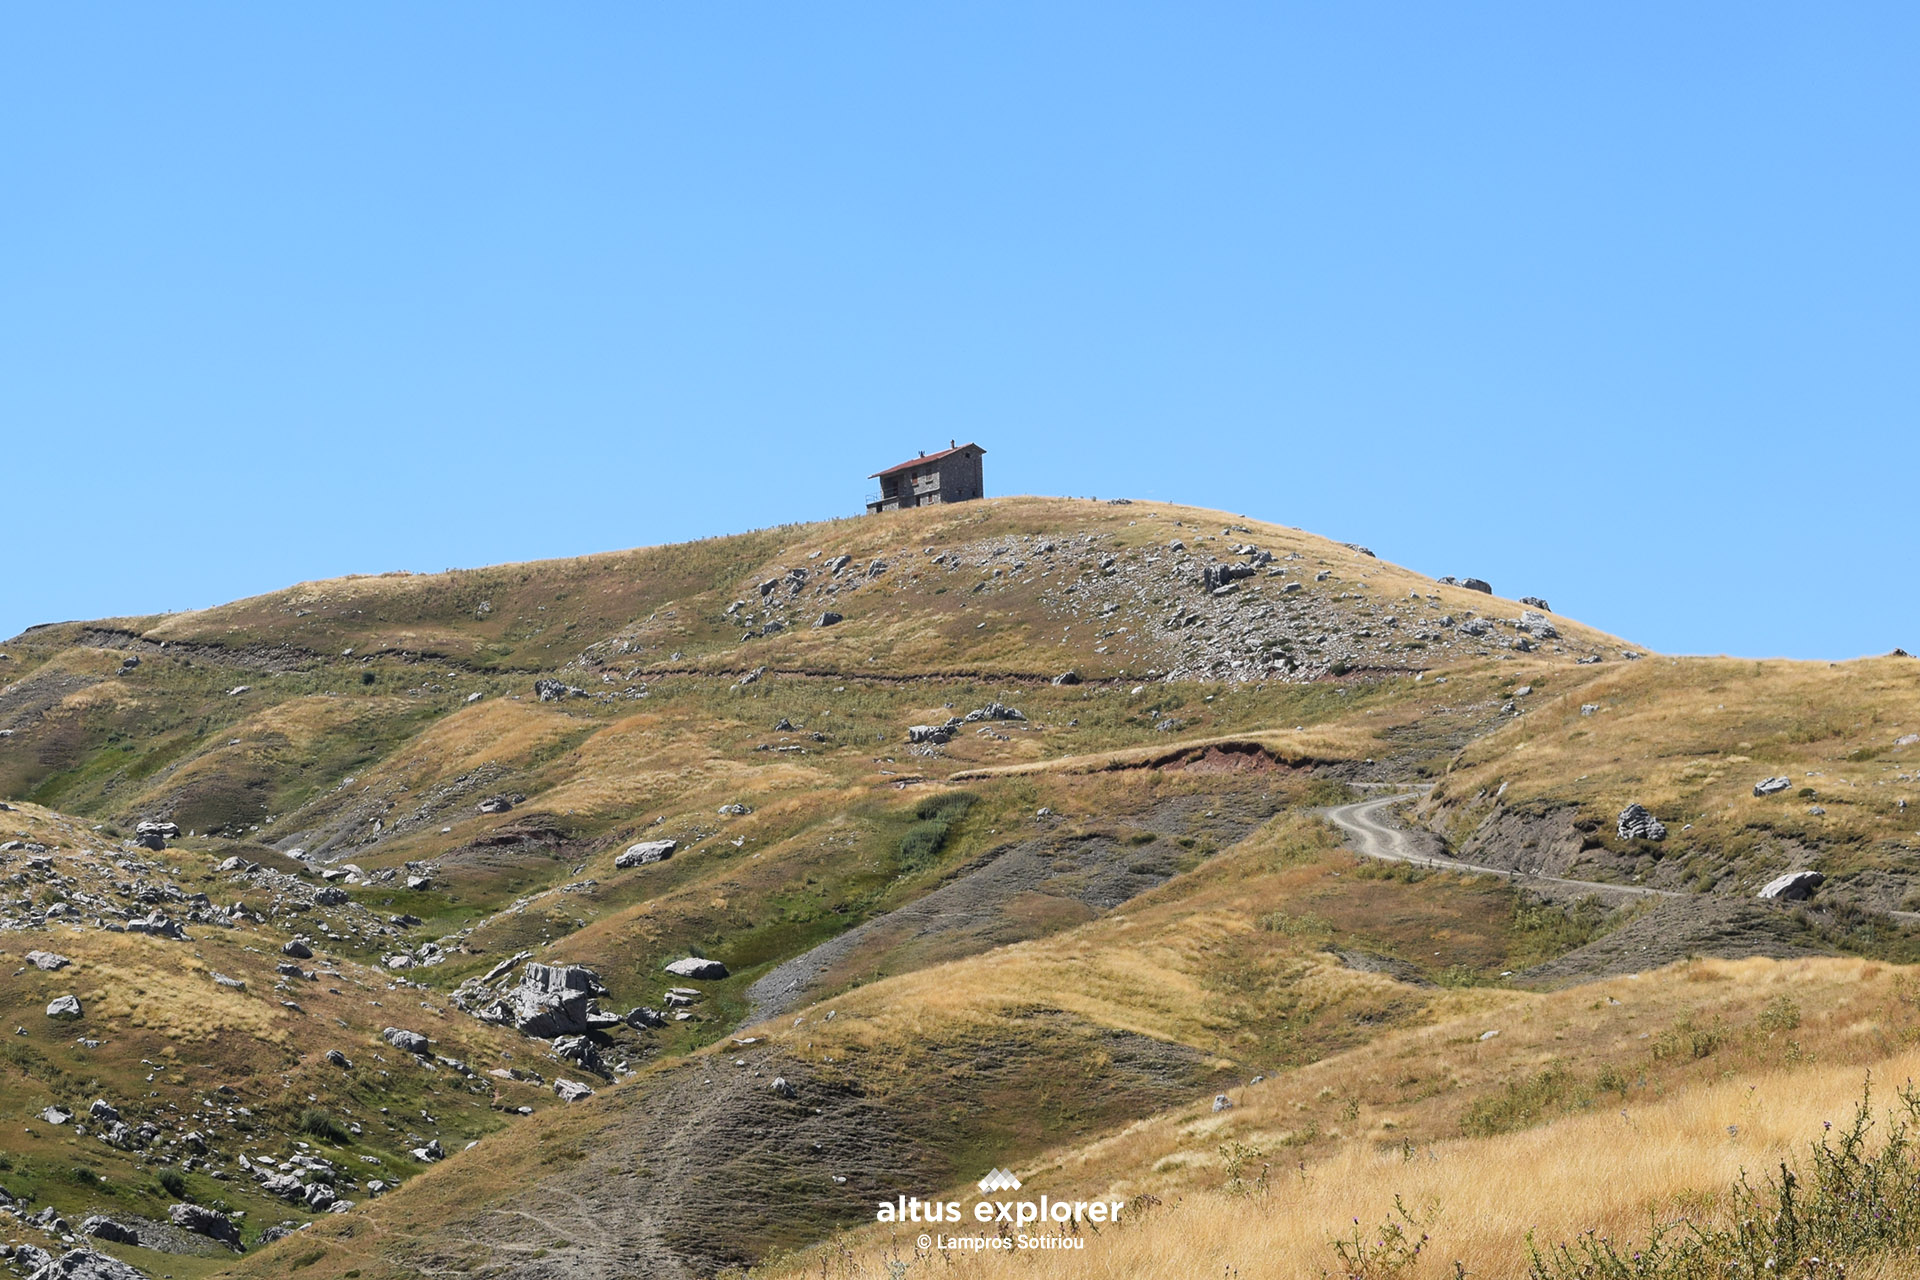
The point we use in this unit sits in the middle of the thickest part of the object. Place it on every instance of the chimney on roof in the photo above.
(923, 453)
(953, 444)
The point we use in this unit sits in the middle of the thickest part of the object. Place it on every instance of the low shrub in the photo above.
(1843, 1208)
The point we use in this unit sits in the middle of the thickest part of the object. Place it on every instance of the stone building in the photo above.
(952, 475)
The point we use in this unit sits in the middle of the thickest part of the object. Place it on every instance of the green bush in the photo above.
(934, 820)
(1684, 1040)
(1545, 930)
(1523, 1103)
(318, 1124)
(171, 1182)
(1842, 1208)
(1781, 1014)
(1323, 792)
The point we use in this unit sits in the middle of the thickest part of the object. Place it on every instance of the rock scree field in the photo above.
(668, 912)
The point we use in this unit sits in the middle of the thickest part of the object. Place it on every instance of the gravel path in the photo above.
(1373, 835)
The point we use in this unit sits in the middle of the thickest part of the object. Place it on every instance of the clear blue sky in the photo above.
(1617, 304)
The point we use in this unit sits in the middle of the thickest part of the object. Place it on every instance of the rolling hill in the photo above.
(986, 836)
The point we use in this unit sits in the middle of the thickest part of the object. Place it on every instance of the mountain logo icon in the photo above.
(999, 1180)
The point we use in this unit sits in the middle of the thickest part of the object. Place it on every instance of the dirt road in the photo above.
(1373, 835)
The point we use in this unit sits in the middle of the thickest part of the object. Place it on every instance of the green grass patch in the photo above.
(316, 1123)
(934, 820)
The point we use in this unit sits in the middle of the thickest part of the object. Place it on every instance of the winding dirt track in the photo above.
(1372, 835)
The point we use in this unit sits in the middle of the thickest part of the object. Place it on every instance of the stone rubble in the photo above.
(1635, 823)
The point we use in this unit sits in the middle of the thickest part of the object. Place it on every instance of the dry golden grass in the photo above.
(1151, 969)
(1326, 742)
(640, 760)
(149, 983)
(1689, 738)
(1243, 1193)
(498, 731)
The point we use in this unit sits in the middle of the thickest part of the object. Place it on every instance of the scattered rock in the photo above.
(827, 619)
(108, 1229)
(993, 711)
(1537, 603)
(1477, 584)
(580, 1051)
(47, 961)
(205, 1222)
(297, 949)
(1772, 786)
(1537, 626)
(339, 1059)
(571, 1090)
(1221, 1102)
(1216, 576)
(78, 1264)
(496, 804)
(699, 968)
(548, 1001)
(1067, 677)
(735, 810)
(56, 1115)
(154, 835)
(30, 1259)
(550, 690)
(1635, 823)
(639, 855)
(500, 969)
(65, 1007)
(783, 1089)
(157, 925)
(408, 1041)
(1795, 886)
(931, 734)
(646, 1018)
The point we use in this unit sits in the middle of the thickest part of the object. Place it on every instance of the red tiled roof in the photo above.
(923, 459)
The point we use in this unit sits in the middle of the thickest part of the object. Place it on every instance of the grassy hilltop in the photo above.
(1046, 936)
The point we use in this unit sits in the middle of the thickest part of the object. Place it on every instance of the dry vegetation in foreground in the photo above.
(1569, 1123)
